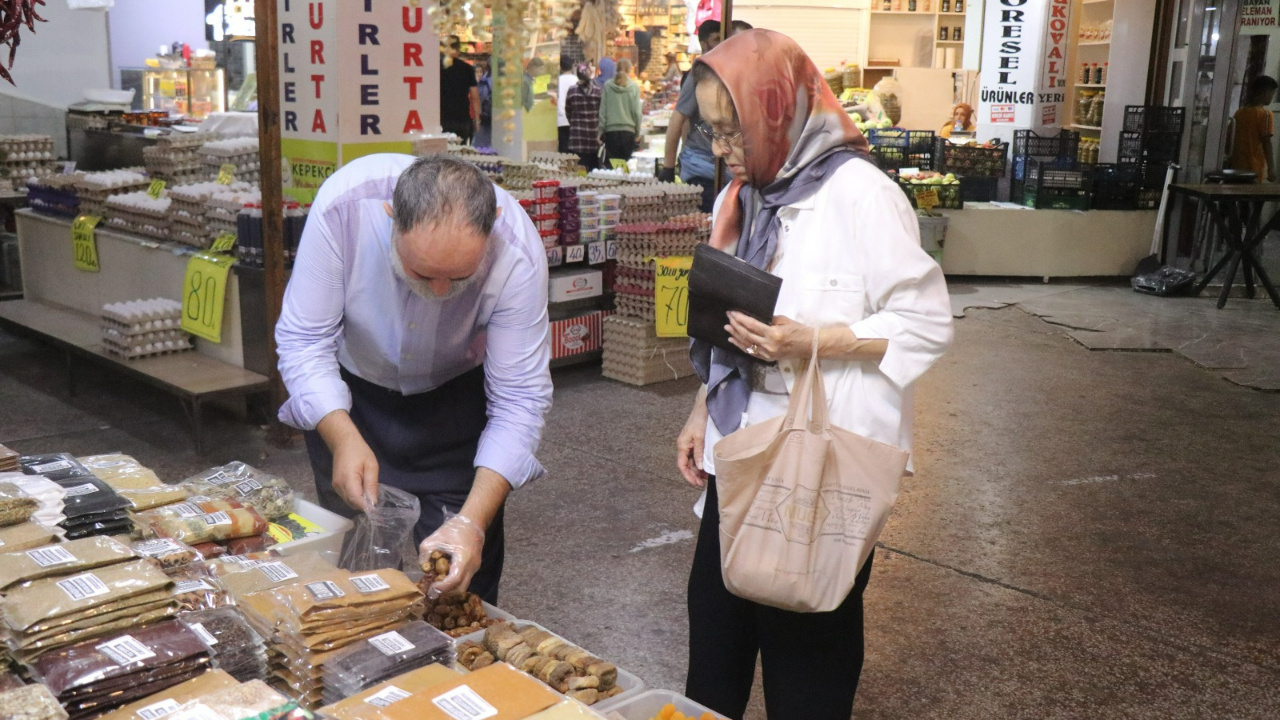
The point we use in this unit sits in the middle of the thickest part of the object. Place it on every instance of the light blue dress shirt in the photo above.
(344, 304)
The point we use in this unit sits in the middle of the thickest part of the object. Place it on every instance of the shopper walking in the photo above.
(415, 347)
(565, 83)
(582, 106)
(1251, 136)
(806, 205)
(620, 114)
(459, 93)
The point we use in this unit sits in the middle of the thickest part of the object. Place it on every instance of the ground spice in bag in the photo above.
(61, 559)
(364, 705)
(166, 701)
(239, 702)
(32, 702)
(120, 471)
(16, 506)
(263, 575)
(50, 598)
(25, 536)
(270, 495)
(342, 595)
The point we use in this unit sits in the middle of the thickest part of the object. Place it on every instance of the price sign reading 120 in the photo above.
(671, 296)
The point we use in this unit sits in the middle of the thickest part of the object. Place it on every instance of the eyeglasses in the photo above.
(713, 136)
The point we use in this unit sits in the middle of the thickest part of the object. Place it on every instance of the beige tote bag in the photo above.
(801, 503)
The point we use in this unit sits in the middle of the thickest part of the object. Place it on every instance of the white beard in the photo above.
(422, 288)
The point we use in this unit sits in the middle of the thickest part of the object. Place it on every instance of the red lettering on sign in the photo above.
(317, 124)
(317, 79)
(315, 11)
(317, 52)
(412, 82)
(1059, 11)
(1057, 25)
(1056, 52)
(412, 19)
(413, 122)
(412, 54)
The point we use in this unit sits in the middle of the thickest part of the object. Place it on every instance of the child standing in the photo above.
(1251, 146)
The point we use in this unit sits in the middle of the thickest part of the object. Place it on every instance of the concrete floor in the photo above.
(1088, 535)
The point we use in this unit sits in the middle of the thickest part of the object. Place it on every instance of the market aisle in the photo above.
(1090, 534)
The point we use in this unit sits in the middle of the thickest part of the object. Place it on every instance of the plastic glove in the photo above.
(461, 539)
(667, 175)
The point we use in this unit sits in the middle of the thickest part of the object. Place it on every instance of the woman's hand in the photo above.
(692, 442)
(782, 340)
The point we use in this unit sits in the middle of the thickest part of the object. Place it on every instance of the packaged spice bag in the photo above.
(238, 702)
(166, 701)
(16, 506)
(167, 553)
(212, 527)
(39, 601)
(341, 595)
(384, 656)
(95, 661)
(270, 495)
(89, 499)
(60, 559)
(55, 466)
(194, 588)
(236, 648)
(263, 575)
(120, 471)
(48, 495)
(26, 535)
(31, 702)
(364, 705)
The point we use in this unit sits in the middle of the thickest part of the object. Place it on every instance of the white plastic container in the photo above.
(327, 543)
(610, 203)
(646, 705)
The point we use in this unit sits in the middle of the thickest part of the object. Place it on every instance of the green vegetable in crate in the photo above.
(930, 178)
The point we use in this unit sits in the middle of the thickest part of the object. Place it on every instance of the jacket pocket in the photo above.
(834, 299)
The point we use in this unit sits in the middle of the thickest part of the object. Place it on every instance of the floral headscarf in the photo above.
(795, 134)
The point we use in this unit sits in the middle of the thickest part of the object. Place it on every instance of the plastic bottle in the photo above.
(1105, 71)
(959, 6)
(1082, 77)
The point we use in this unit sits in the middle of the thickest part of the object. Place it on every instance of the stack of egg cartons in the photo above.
(242, 152)
(679, 199)
(140, 214)
(563, 162)
(633, 353)
(223, 208)
(94, 188)
(140, 328)
(175, 157)
(518, 175)
(55, 194)
(188, 224)
(26, 157)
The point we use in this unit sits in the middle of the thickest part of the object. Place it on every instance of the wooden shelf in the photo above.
(1094, 43)
(918, 13)
(1091, 85)
(949, 42)
(1086, 127)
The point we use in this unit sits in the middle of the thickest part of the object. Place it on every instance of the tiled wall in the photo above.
(19, 116)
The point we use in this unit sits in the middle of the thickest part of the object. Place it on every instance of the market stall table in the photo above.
(1229, 206)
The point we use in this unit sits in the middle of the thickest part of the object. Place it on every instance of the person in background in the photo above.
(807, 205)
(415, 346)
(565, 83)
(484, 87)
(606, 71)
(697, 164)
(673, 68)
(1251, 137)
(459, 93)
(582, 106)
(620, 116)
(961, 121)
(532, 69)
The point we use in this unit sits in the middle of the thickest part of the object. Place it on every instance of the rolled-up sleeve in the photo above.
(517, 372)
(310, 325)
(905, 288)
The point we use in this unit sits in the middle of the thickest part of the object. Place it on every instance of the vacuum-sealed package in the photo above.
(48, 495)
(142, 499)
(193, 505)
(241, 702)
(27, 535)
(212, 527)
(341, 595)
(270, 495)
(164, 702)
(276, 572)
(194, 589)
(61, 559)
(31, 702)
(384, 656)
(167, 553)
(87, 496)
(366, 704)
(32, 604)
(55, 466)
(236, 648)
(249, 545)
(140, 649)
(120, 471)
(16, 506)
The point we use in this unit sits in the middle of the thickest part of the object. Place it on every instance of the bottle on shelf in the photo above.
(1104, 71)
(911, 5)
(1083, 103)
(959, 6)
(942, 33)
(946, 6)
(956, 33)
(1093, 74)
(1083, 76)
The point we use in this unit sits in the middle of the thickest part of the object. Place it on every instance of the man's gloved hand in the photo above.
(461, 539)
(667, 175)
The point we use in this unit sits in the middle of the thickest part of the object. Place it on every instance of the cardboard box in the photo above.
(575, 285)
(574, 336)
(497, 692)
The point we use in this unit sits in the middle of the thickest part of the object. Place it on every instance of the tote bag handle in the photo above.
(810, 396)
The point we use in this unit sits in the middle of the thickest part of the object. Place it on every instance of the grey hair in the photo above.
(436, 187)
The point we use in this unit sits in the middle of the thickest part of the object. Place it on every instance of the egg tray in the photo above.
(151, 231)
(197, 238)
(135, 353)
(137, 213)
(170, 322)
(182, 218)
(109, 332)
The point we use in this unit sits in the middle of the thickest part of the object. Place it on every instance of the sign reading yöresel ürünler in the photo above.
(1024, 74)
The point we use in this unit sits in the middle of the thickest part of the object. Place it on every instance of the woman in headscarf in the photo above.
(582, 107)
(804, 204)
(961, 121)
(607, 69)
(620, 114)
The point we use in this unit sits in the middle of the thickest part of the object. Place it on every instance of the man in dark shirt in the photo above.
(459, 94)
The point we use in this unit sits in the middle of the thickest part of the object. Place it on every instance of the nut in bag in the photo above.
(383, 537)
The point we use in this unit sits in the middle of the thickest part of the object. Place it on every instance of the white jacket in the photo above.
(850, 255)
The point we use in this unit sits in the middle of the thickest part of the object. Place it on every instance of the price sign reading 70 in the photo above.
(671, 295)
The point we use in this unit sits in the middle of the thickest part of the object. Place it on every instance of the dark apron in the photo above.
(426, 445)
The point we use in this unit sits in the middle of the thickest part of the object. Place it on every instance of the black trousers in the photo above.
(562, 138)
(426, 445)
(590, 161)
(619, 144)
(810, 661)
(464, 130)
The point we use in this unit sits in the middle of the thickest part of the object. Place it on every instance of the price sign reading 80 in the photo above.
(671, 296)
(204, 291)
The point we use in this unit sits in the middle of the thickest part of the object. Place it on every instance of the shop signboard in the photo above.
(355, 79)
(1015, 73)
(1051, 95)
(1258, 17)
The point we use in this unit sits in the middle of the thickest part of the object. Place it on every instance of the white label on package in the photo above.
(199, 711)
(125, 650)
(158, 710)
(51, 467)
(220, 478)
(463, 703)
(206, 637)
(247, 486)
(156, 548)
(323, 590)
(185, 510)
(277, 571)
(386, 696)
(185, 586)
(369, 584)
(85, 489)
(391, 643)
(218, 518)
(83, 586)
(49, 556)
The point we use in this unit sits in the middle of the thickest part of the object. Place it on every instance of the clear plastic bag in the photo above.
(40, 601)
(55, 466)
(61, 559)
(381, 657)
(16, 506)
(32, 702)
(167, 553)
(121, 472)
(195, 589)
(236, 648)
(212, 527)
(47, 493)
(27, 535)
(383, 537)
(240, 702)
(101, 659)
(1165, 282)
(270, 495)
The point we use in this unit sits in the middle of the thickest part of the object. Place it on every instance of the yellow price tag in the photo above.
(671, 295)
(157, 187)
(926, 199)
(223, 243)
(620, 165)
(84, 244)
(540, 84)
(226, 174)
(204, 291)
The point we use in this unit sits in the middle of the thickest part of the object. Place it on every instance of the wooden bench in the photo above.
(194, 378)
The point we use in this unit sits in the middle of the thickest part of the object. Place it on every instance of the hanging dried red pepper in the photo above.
(13, 15)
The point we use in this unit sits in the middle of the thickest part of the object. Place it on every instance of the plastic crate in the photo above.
(1057, 185)
(1154, 118)
(979, 189)
(971, 160)
(1065, 144)
(1115, 187)
(1158, 147)
(949, 196)
(1018, 182)
(889, 158)
(915, 142)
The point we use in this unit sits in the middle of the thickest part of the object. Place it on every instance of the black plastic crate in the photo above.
(1065, 144)
(915, 142)
(895, 158)
(1116, 187)
(1151, 175)
(1022, 162)
(971, 160)
(979, 189)
(1154, 118)
(1155, 147)
(950, 197)
(1057, 184)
